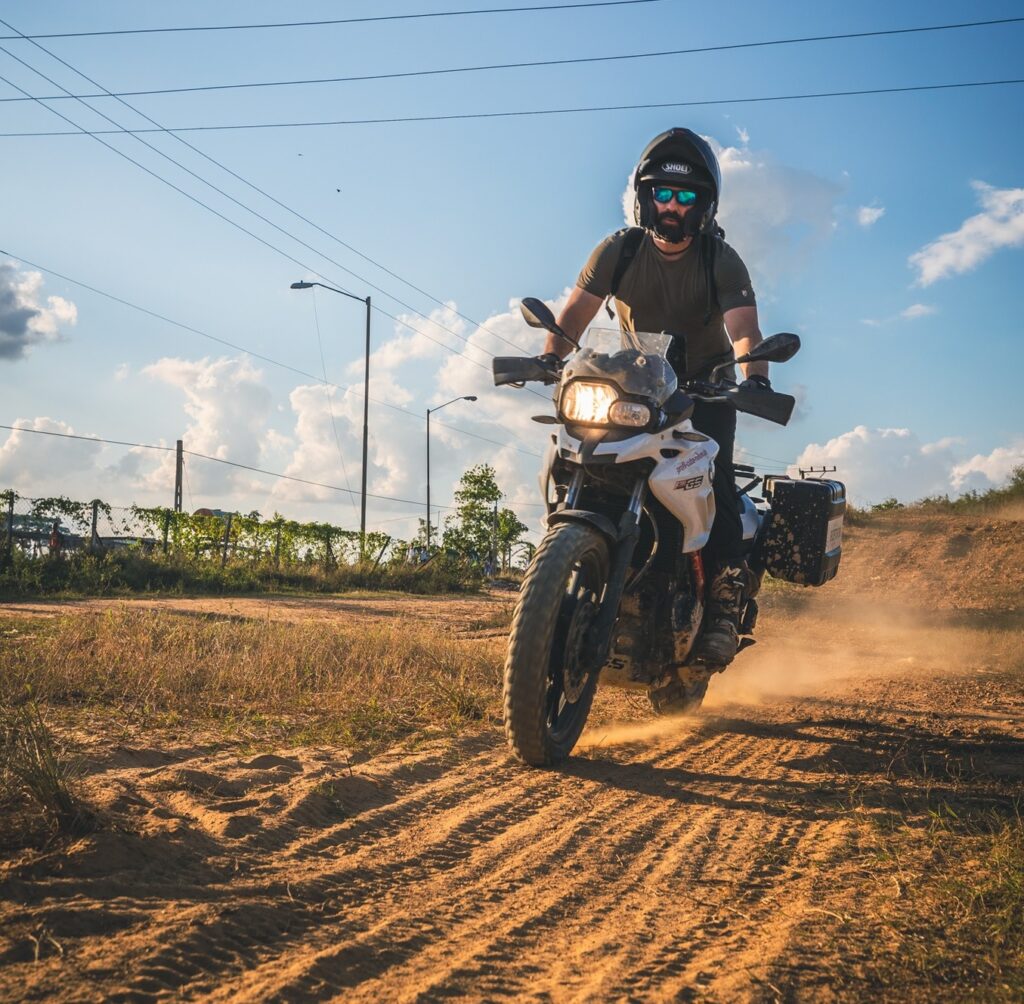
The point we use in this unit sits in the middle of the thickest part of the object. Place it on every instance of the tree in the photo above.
(478, 529)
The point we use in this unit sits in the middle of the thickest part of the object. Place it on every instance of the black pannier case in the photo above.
(804, 537)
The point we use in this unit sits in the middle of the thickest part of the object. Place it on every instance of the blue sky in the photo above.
(908, 379)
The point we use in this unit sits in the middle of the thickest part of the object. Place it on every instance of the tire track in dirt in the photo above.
(459, 835)
(395, 939)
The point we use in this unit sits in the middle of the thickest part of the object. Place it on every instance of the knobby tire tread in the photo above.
(529, 649)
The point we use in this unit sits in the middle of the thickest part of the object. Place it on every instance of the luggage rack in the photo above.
(747, 471)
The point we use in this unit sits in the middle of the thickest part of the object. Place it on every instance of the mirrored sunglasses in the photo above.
(664, 195)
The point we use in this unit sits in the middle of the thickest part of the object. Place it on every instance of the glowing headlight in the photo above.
(629, 413)
(588, 402)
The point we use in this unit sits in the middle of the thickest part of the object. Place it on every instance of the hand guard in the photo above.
(756, 382)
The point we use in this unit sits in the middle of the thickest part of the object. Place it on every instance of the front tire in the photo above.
(548, 693)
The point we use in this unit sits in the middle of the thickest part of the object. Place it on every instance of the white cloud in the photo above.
(877, 464)
(228, 406)
(122, 372)
(743, 135)
(773, 214)
(24, 319)
(911, 313)
(983, 472)
(47, 464)
(916, 310)
(1000, 224)
(869, 215)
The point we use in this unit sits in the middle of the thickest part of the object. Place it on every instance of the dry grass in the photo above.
(355, 685)
(946, 920)
(37, 772)
(955, 928)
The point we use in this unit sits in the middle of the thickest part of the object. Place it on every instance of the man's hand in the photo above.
(756, 382)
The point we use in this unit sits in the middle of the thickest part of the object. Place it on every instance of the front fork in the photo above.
(599, 637)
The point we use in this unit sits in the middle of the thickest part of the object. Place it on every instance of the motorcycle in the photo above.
(616, 591)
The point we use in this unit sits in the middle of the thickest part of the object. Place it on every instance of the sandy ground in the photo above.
(718, 857)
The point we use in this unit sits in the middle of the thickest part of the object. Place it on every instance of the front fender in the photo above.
(600, 523)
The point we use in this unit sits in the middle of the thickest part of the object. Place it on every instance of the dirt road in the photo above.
(734, 855)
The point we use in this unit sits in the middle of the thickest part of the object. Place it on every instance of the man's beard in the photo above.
(670, 227)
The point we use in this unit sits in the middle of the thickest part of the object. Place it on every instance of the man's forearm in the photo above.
(741, 346)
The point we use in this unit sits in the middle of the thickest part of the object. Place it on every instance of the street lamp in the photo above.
(470, 397)
(366, 400)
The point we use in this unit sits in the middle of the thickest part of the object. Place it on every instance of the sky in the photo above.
(886, 229)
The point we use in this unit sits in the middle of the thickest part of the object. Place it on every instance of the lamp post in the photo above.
(470, 397)
(366, 401)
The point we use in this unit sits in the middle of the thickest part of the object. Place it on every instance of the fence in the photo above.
(48, 527)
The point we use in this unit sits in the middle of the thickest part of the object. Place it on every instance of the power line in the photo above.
(216, 460)
(526, 113)
(219, 460)
(257, 355)
(226, 219)
(88, 439)
(260, 216)
(531, 64)
(774, 460)
(347, 20)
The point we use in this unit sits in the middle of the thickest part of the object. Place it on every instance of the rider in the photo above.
(673, 272)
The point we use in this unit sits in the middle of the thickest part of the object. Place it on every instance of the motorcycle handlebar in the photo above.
(766, 404)
(523, 369)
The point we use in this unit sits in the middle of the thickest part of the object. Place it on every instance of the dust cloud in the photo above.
(820, 647)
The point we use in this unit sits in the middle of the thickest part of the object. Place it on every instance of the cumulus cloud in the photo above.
(981, 472)
(877, 464)
(44, 464)
(25, 319)
(1000, 224)
(869, 215)
(774, 214)
(227, 405)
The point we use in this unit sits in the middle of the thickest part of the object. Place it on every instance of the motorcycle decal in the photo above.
(689, 483)
(834, 536)
(690, 460)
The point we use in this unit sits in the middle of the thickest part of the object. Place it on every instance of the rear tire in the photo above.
(547, 696)
(680, 695)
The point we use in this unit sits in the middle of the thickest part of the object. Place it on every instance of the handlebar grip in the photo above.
(520, 369)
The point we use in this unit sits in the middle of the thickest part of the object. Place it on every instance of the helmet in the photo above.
(678, 157)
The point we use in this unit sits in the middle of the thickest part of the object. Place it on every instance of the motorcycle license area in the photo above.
(838, 821)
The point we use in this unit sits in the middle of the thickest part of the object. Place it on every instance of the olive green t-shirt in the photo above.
(660, 294)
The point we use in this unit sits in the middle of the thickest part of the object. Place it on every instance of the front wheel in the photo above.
(548, 688)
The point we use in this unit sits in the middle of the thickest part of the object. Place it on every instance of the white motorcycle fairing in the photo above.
(681, 481)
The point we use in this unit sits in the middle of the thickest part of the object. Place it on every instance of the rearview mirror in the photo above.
(537, 313)
(774, 349)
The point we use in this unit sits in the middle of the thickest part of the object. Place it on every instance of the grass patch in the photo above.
(37, 777)
(356, 685)
(120, 573)
(958, 923)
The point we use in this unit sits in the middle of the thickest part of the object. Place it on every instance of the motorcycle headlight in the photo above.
(588, 403)
(592, 403)
(630, 413)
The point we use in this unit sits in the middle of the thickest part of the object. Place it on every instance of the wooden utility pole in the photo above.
(9, 548)
(227, 538)
(813, 472)
(179, 465)
(94, 537)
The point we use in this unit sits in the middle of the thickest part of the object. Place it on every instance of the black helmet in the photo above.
(681, 158)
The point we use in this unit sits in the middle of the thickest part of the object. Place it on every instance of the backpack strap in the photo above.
(708, 248)
(630, 245)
